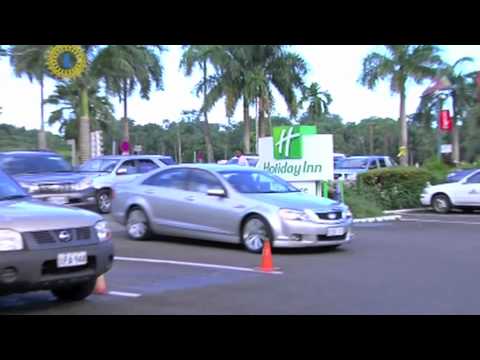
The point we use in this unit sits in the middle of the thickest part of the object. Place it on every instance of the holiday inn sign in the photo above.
(297, 154)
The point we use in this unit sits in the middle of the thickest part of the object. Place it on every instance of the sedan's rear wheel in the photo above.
(137, 225)
(441, 204)
(255, 231)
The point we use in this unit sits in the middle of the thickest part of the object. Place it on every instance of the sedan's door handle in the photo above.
(190, 198)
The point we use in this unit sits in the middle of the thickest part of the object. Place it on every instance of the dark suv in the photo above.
(48, 176)
(49, 247)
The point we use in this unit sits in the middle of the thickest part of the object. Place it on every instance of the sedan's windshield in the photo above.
(353, 164)
(25, 164)
(99, 165)
(256, 182)
(9, 189)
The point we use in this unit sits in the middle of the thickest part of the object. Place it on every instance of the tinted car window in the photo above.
(146, 165)
(130, 166)
(202, 181)
(382, 162)
(353, 164)
(9, 188)
(31, 164)
(255, 182)
(475, 179)
(175, 178)
(168, 161)
(373, 164)
(99, 165)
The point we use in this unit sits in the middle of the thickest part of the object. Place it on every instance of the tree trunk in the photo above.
(126, 132)
(455, 131)
(42, 137)
(403, 128)
(247, 126)
(370, 133)
(206, 129)
(179, 141)
(261, 119)
(84, 128)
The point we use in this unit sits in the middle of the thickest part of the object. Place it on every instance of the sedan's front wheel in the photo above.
(137, 225)
(255, 231)
(441, 204)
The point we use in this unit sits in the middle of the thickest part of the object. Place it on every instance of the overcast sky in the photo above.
(335, 67)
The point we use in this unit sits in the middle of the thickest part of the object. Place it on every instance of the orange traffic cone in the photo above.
(267, 260)
(101, 286)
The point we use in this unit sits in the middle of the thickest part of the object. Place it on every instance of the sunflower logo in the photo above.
(66, 61)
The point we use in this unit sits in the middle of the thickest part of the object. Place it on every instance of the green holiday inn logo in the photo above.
(288, 141)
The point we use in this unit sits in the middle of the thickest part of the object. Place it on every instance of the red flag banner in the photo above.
(445, 121)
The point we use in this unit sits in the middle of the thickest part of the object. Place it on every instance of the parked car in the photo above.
(49, 247)
(458, 175)
(464, 193)
(107, 171)
(338, 158)
(48, 176)
(348, 168)
(251, 159)
(229, 203)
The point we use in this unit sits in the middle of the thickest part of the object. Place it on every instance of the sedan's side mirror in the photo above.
(216, 192)
(122, 171)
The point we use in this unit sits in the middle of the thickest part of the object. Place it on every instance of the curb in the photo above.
(377, 219)
(404, 211)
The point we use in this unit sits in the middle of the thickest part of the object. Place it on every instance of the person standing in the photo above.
(125, 147)
(242, 159)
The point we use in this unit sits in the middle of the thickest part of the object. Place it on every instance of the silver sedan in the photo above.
(231, 204)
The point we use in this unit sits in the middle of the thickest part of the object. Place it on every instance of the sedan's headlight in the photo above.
(29, 187)
(10, 240)
(82, 185)
(289, 214)
(103, 231)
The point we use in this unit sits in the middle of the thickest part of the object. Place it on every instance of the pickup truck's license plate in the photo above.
(72, 259)
(59, 200)
(338, 231)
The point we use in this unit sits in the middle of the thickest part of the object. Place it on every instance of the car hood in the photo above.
(36, 215)
(443, 187)
(297, 201)
(349, 171)
(92, 173)
(50, 178)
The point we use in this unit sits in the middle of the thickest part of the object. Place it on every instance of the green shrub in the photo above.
(438, 169)
(362, 204)
(395, 188)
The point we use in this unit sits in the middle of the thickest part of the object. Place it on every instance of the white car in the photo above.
(107, 171)
(462, 194)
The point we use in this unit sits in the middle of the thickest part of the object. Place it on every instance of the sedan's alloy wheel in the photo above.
(137, 224)
(254, 234)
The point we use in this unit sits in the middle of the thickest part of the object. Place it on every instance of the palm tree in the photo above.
(401, 63)
(318, 101)
(30, 60)
(123, 67)
(250, 71)
(201, 55)
(66, 98)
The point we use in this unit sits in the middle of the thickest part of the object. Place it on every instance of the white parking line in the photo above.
(184, 263)
(441, 221)
(126, 294)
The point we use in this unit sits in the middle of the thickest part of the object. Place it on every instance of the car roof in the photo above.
(130, 157)
(30, 152)
(214, 167)
(367, 157)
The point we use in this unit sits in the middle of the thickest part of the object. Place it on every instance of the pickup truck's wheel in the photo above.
(441, 204)
(104, 201)
(75, 292)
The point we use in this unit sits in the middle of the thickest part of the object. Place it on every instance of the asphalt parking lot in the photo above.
(423, 264)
